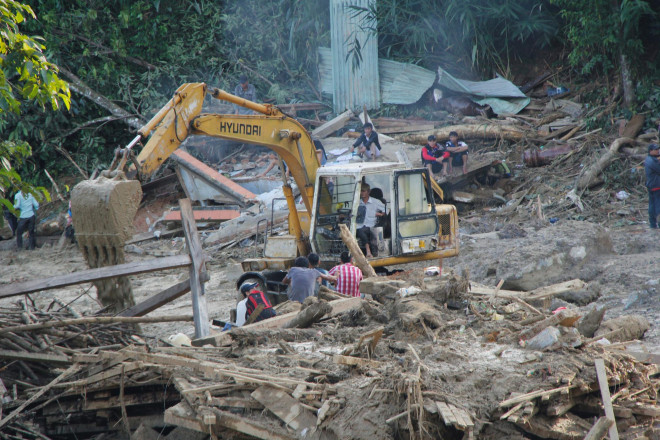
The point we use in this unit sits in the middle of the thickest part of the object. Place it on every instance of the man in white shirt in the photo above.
(368, 212)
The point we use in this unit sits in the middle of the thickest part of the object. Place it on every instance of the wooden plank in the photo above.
(73, 369)
(354, 361)
(405, 128)
(54, 359)
(446, 413)
(213, 178)
(205, 215)
(332, 125)
(645, 410)
(285, 407)
(97, 320)
(600, 428)
(198, 273)
(182, 415)
(226, 419)
(533, 395)
(605, 393)
(235, 402)
(158, 300)
(102, 273)
(222, 339)
(555, 289)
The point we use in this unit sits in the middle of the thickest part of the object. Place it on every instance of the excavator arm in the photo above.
(271, 128)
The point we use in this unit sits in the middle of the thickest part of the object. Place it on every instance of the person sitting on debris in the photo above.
(302, 280)
(652, 169)
(253, 299)
(247, 91)
(28, 206)
(368, 212)
(346, 277)
(458, 151)
(435, 158)
(314, 261)
(367, 144)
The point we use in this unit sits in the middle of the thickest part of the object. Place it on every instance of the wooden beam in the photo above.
(222, 339)
(607, 401)
(332, 125)
(158, 300)
(358, 257)
(96, 320)
(198, 273)
(102, 273)
(226, 419)
(54, 359)
(73, 369)
(285, 407)
(533, 395)
(597, 432)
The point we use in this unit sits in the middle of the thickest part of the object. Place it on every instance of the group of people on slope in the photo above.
(442, 159)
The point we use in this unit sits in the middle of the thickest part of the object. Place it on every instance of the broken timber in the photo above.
(332, 125)
(212, 178)
(224, 338)
(89, 275)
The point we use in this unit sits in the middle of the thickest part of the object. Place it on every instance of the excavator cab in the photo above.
(414, 227)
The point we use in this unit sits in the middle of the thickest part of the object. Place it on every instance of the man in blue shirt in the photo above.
(652, 169)
(28, 206)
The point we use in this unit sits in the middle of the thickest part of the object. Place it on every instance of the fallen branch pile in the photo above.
(385, 367)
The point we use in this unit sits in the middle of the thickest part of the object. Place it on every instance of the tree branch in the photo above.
(78, 86)
(134, 60)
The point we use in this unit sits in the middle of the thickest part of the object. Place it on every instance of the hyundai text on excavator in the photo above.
(419, 228)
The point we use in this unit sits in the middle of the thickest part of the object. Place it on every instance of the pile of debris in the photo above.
(419, 357)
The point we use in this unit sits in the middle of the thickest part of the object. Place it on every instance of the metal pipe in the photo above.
(265, 109)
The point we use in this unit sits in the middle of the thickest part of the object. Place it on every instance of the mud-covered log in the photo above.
(467, 131)
(592, 173)
(359, 259)
(309, 315)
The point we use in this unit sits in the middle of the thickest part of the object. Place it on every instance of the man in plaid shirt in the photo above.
(346, 276)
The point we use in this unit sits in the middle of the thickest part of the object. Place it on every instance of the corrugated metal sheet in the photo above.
(400, 83)
(493, 88)
(352, 88)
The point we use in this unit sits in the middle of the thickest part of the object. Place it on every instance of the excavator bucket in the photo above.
(103, 210)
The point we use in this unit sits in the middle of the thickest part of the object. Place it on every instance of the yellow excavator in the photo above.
(416, 227)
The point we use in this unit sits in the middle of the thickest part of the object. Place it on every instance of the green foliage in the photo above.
(24, 71)
(600, 30)
(136, 53)
(459, 33)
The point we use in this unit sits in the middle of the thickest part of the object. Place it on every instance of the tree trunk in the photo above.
(359, 259)
(591, 174)
(470, 131)
(627, 80)
(78, 86)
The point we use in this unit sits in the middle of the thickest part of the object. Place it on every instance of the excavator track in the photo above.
(103, 210)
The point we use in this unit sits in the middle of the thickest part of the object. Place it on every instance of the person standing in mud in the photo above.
(28, 205)
(652, 169)
(247, 91)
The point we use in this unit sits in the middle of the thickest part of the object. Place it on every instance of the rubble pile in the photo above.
(419, 357)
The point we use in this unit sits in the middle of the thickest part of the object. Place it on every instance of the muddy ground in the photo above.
(619, 265)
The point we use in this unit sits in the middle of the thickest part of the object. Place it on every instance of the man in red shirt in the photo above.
(435, 158)
(346, 276)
